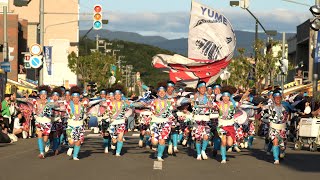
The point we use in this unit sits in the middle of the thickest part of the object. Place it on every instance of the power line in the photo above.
(295, 2)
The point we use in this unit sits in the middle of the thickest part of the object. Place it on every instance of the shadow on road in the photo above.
(6, 144)
(305, 162)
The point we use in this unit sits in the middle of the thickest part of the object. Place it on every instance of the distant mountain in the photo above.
(245, 40)
(179, 46)
(124, 36)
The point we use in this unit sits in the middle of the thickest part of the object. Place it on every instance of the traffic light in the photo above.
(97, 17)
(283, 65)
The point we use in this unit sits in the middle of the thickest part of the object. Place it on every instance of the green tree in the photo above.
(138, 55)
(94, 67)
(266, 63)
(264, 67)
(239, 70)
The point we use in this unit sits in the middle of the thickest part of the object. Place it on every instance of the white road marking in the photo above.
(157, 165)
(93, 135)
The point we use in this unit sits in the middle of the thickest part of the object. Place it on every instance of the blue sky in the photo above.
(170, 18)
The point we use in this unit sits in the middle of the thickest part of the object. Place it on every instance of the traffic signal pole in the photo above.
(40, 82)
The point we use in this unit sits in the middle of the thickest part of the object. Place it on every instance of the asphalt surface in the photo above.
(19, 161)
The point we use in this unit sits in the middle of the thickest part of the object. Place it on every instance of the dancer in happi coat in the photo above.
(185, 119)
(201, 131)
(75, 130)
(214, 115)
(144, 127)
(143, 108)
(174, 134)
(64, 117)
(249, 126)
(278, 117)
(118, 121)
(265, 123)
(57, 124)
(161, 121)
(43, 113)
(226, 129)
(104, 119)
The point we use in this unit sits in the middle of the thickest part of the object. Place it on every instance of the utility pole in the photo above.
(41, 37)
(100, 44)
(256, 50)
(119, 61)
(105, 47)
(126, 75)
(133, 76)
(283, 57)
(97, 42)
(5, 46)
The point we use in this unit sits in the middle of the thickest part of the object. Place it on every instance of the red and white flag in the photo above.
(211, 45)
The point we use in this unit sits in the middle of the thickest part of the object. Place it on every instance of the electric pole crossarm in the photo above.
(45, 30)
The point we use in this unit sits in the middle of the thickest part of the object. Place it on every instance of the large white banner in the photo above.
(211, 36)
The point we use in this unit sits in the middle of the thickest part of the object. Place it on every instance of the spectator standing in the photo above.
(5, 110)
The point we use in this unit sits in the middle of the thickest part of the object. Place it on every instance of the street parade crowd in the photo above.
(224, 118)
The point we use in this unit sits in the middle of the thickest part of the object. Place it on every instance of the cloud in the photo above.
(282, 20)
(175, 24)
(171, 24)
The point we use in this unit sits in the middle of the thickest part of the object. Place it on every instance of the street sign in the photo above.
(11, 57)
(35, 49)
(225, 75)
(6, 66)
(36, 61)
(112, 80)
(27, 65)
(27, 58)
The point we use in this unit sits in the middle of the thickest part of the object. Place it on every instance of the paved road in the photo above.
(19, 161)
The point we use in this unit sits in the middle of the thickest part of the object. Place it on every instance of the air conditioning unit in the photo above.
(21, 3)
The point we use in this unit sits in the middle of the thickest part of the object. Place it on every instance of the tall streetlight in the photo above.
(268, 32)
(315, 25)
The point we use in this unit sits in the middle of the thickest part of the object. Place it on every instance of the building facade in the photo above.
(61, 32)
(13, 41)
(301, 51)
